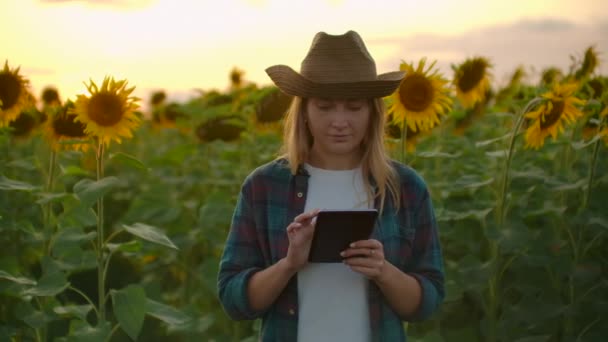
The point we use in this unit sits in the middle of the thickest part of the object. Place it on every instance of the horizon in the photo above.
(184, 46)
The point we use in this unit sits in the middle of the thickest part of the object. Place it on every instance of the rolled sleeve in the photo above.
(241, 259)
(234, 297)
(428, 261)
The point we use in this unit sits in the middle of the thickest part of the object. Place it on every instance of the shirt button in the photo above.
(300, 194)
(291, 312)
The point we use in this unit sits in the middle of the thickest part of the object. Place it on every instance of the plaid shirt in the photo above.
(271, 197)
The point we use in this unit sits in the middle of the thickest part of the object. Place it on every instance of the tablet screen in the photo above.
(336, 229)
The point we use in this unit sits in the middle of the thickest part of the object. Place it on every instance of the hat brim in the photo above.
(292, 83)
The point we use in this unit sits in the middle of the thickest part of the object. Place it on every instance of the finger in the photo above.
(364, 262)
(371, 243)
(306, 216)
(364, 252)
(293, 226)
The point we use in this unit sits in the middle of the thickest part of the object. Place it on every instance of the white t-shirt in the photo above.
(333, 298)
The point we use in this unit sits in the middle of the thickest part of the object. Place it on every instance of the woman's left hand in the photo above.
(365, 257)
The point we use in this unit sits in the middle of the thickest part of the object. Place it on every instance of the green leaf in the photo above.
(89, 191)
(18, 280)
(166, 313)
(74, 235)
(535, 338)
(578, 145)
(81, 331)
(128, 160)
(128, 247)
(11, 184)
(76, 213)
(130, 308)
(438, 154)
(457, 215)
(47, 197)
(49, 284)
(79, 311)
(73, 170)
(150, 233)
(598, 221)
(580, 185)
(497, 154)
(491, 141)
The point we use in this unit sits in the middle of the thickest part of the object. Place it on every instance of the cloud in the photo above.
(535, 44)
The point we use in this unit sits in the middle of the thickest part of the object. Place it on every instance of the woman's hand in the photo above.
(300, 233)
(366, 257)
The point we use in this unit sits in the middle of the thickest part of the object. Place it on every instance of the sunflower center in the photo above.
(416, 93)
(471, 75)
(9, 90)
(553, 116)
(24, 123)
(67, 126)
(105, 109)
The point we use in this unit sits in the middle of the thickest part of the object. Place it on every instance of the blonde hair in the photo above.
(375, 163)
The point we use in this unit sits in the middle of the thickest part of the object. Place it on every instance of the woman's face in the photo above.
(337, 126)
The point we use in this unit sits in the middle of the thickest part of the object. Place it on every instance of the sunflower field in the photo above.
(113, 218)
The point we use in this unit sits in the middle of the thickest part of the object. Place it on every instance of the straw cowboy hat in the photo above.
(336, 66)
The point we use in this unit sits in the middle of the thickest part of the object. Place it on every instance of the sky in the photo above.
(181, 46)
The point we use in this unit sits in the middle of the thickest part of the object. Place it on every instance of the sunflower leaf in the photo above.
(166, 313)
(89, 191)
(130, 309)
(150, 233)
(128, 159)
(11, 184)
(49, 284)
(577, 145)
(18, 280)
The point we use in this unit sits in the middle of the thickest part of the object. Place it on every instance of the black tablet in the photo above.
(337, 229)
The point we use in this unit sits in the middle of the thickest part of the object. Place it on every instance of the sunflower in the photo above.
(472, 81)
(50, 97)
(171, 115)
(236, 77)
(225, 127)
(158, 98)
(590, 62)
(550, 76)
(109, 111)
(393, 131)
(25, 123)
(272, 106)
(13, 94)
(422, 97)
(558, 108)
(61, 127)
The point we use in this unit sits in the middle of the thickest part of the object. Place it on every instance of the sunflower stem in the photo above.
(505, 175)
(47, 207)
(100, 238)
(403, 140)
(592, 164)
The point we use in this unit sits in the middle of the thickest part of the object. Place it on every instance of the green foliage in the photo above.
(168, 199)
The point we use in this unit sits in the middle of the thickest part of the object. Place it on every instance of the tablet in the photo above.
(335, 230)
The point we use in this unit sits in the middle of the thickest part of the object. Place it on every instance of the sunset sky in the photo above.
(182, 45)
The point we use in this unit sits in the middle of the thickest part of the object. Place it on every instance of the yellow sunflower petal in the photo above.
(14, 90)
(109, 111)
(550, 118)
(422, 97)
(472, 81)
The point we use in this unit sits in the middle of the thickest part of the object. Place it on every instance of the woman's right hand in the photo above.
(300, 233)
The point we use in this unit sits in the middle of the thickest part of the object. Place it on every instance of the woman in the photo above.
(334, 159)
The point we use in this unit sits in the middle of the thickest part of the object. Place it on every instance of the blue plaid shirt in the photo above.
(271, 197)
